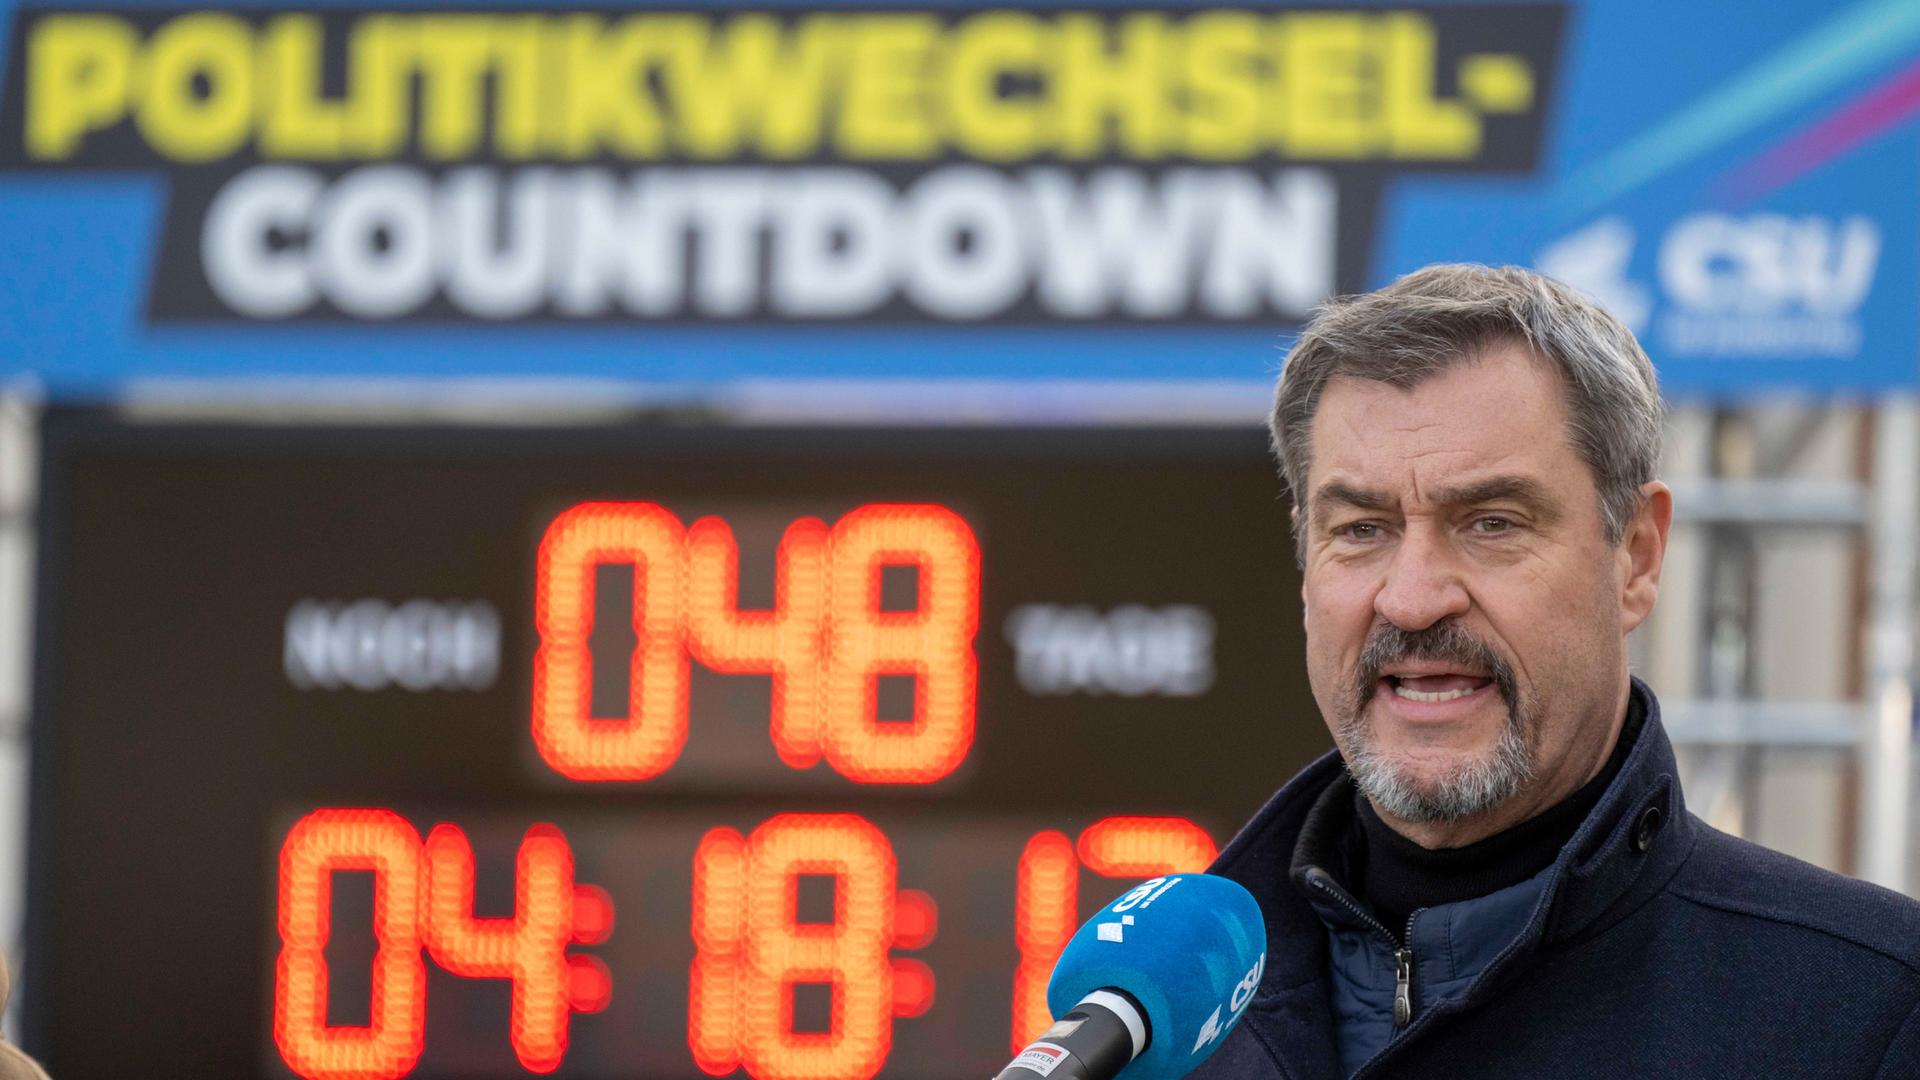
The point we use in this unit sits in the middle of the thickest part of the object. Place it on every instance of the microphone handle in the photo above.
(1092, 1042)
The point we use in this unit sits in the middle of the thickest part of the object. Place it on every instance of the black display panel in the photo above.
(646, 751)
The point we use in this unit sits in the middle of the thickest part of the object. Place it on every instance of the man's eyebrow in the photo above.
(1525, 490)
(1333, 491)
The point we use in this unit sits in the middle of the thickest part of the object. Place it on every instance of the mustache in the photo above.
(1445, 642)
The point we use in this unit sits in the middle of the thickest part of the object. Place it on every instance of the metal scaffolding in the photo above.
(1743, 503)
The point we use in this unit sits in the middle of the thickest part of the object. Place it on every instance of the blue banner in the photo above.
(704, 197)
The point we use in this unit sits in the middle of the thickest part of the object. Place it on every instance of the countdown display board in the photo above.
(663, 752)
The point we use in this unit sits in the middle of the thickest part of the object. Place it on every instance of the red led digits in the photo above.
(649, 738)
(752, 950)
(933, 643)
(530, 948)
(785, 642)
(719, 936)
(1046, 896)
(423, 896)
(1143, 847)
(322, 843)
(826, 641)
(850, 952)
(1046, 900)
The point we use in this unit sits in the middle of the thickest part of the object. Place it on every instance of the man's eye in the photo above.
(1492, 526)
(1359, 530)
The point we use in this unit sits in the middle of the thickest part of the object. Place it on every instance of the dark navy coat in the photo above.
(1658, 947)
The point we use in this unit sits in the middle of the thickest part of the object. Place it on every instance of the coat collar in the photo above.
(1630, 845)
(1627, 849)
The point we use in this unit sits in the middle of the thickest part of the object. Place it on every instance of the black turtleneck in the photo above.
(1397, 877)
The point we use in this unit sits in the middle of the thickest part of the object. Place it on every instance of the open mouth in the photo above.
(1435, 688)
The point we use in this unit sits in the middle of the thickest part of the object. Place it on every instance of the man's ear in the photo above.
(1642, 550)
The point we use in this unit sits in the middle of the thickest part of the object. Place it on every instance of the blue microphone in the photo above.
(1150, 986)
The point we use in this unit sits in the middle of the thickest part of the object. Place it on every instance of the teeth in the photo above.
(1444, 695)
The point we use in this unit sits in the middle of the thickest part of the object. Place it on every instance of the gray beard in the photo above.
(1475, 789)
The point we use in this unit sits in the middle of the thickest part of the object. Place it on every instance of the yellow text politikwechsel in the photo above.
(997, 86)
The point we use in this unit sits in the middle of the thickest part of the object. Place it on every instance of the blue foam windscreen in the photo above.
(1190, 948)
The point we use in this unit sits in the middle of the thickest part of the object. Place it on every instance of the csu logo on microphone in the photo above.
(1142, 896)
(1242, 995)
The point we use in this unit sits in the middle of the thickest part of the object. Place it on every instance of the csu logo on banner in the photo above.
(1766, 284)
(1733, 285)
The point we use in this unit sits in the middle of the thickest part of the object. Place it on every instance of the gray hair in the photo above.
(1446, 314)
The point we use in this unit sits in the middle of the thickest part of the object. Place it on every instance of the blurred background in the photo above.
(752, 521)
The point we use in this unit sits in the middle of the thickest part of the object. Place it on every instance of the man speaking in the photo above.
(1496, 876)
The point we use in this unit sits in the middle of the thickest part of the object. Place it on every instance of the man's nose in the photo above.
(1423, 585)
